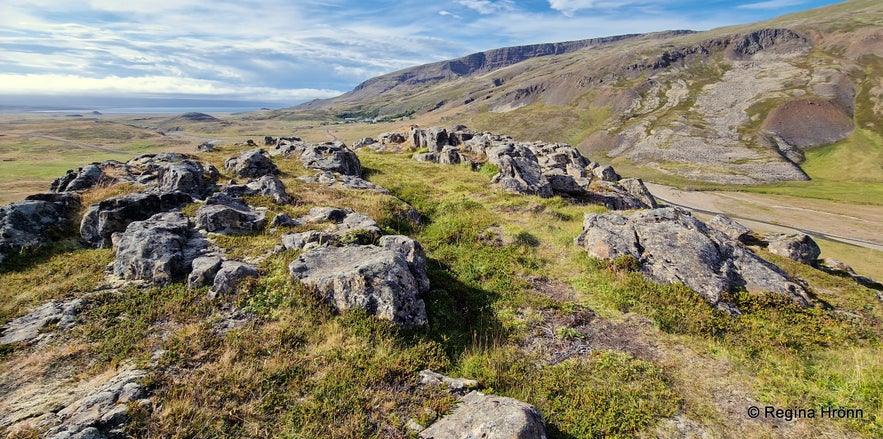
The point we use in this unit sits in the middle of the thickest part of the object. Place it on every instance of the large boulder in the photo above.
(33, 222)
(413, 253)
(251, 164)
(489, 417)
(331, 157)
(153, 250)
(112, 215)
(519, 170)
(799, 247)
(229, 215)
(375, 279)
(191, 177)
(672, 246)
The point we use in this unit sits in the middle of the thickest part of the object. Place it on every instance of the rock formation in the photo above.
(491, 417)
(672, 246)
(31, 223)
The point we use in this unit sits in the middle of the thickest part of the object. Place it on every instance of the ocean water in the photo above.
(154, 110)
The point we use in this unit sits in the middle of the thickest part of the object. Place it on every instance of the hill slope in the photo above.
(732, 105)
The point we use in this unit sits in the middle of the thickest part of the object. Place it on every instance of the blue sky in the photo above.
(292, 51)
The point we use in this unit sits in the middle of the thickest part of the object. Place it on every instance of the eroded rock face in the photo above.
(254, 163)
(672, 246)
(114, 214)
(30, 223)
(378, 280)
(104, 412)
(228, 215)
(331, 157)
(489, 417)
(519, 171)
(268, 186)
(154, 250)
(190, 177)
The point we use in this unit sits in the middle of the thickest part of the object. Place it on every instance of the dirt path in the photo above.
(859, 225)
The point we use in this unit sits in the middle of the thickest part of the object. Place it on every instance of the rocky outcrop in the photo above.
(230, 274)
(519, 170)
(730, 228)
(334, 179)
(104, 412)
(154, 250)
(457, 386)
(113, 215)
(32, 223)
(799, 247)
(491, 417)
(253, 163)
(229, 215)
(375, 279)
(267, 186)
(671, 246)
(344, 227)
(188, 176)
(87, 176)
(29, 328)
(332, 157)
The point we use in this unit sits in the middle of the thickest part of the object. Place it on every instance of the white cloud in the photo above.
(444, 13)
(486, 7)
(772, 4)
(71, 85)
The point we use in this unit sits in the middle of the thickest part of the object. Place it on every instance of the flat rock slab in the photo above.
(375, 279)
(481, 416)
(28, 328)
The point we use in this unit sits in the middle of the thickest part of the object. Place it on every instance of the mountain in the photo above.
(735, 105)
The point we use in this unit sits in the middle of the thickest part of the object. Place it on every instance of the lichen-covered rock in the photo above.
(104, 412)
(606, 173)
(331, 157)
(519, 171)
(230, 274)
(672, 246)
(29, 328)
(375, 279)
(188, 176)
(489, 417)
(203, 270)
(113, 214)
(268, 186)
(799, 247)
(729, 227)
(31, 223)
(228, 215)
(153, 250)
(252, 164)
(413, 253)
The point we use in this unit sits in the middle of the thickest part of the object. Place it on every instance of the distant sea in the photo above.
(151, 110)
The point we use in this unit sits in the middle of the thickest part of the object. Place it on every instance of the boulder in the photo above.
(285, 221)
(87, 177)
(153, 250)
(671, 246)
(251, 164)
(606, 173)
(190, 177)
(413, 253)
(347, 181)
(731, 228)
(489, 417)
(331, 157)
(104, 412)
(363, 142)
(112, 215)
(32, 223)
(29, 328)
(799, 247)
(344, 221)
(228, 215)
(615, 196)
(375, 279)
(268, 186)
(519, 171)
(203, 271)
(230, 274)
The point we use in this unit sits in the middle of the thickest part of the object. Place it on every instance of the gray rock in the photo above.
(413, 254)
(614, 196)
(377, 280)
(28, 329)
(203, 271)
(114, 214)
(347, 181)
(455, 385)
(285, 221)
(519, 171)
(32, 223)
(308, 240)
(153, 250)
(331, 157)
(103, 412)
(230, 274)
(344, 221)
(489, 417)
(190, 177)
(268, 186)
(363, 142)
(672, 246)
(729, 227)
(635, 187)
(252, 163)
(87, 177)
(228, 215)
(606, 173)
(799, 247)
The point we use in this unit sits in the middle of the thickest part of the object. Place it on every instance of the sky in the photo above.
(286, 52)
